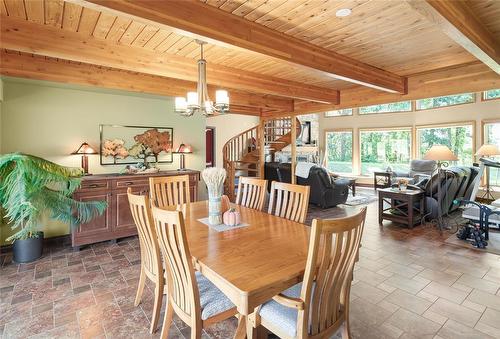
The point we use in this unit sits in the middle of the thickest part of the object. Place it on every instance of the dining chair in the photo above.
(319, 305)
(289, 201)
(169, 191)
(151, 264)
(251, 192)
(194, 299)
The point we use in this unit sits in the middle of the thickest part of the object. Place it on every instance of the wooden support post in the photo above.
(261, 144)
(293, 144)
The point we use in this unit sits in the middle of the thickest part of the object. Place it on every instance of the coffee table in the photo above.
(403, 203)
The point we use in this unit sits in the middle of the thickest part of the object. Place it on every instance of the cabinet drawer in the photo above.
(124, 183)
(94, 185)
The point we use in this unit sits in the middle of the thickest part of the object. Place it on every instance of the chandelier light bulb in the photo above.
(180, 104)
(221, 97)
(192, 99)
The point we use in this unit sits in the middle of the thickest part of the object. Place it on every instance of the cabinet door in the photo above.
(99, 228)
(124, 225)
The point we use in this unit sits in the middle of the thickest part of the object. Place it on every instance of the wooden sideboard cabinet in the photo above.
(117, 222)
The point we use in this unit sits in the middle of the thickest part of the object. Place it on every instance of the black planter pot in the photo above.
(28, 250)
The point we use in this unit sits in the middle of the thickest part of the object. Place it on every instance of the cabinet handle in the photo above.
(93, 185)
(128, 183)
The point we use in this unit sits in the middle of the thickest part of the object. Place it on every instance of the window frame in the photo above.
(325, 132)
(412, 108)
(485, 122)
(474, 100)
(483, 99)
(447, 124)
(411, 129)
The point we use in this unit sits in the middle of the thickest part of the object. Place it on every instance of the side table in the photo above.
(381, 180)
(402, 207)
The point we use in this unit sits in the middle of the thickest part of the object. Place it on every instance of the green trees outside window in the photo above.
(339, 113)
(448, 100)
(457, 138)
(492, 136)
(383, 148)
(339, 151)
(402, 106)
(491, 94)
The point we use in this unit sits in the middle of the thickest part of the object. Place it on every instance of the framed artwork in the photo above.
(135, 144)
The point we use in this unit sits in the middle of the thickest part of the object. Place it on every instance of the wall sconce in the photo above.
(183, 149)
(85, 149)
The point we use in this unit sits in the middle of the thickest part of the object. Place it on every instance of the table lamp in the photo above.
(488, 151)
(441, 154)
(183, 149)
(84, 150)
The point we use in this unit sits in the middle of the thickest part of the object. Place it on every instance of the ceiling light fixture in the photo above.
(343, 12)
(199, 101)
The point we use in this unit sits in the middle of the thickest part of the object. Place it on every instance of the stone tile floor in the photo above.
(407, 284)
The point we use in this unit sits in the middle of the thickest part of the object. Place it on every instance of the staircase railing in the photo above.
(234, 151)
(241, 152)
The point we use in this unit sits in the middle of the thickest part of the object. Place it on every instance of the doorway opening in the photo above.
(210, 146)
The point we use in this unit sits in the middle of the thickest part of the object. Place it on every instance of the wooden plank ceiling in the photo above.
(388, 35)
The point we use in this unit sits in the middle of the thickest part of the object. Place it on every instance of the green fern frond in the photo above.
(31, 186)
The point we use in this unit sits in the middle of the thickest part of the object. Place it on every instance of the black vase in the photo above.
(28, 250)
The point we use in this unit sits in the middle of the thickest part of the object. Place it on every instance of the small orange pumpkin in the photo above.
(231, 217)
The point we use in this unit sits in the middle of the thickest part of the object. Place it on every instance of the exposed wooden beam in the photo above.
(194, 17)
(28, 37)
(473, 77)
(458, 21)
(41, 68)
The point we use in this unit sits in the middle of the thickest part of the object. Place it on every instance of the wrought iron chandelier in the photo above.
(199, 101)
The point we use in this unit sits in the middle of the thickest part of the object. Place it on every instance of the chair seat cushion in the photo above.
(284, 318)
(212, 300)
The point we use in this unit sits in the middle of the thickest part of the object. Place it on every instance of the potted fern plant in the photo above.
(31, 187)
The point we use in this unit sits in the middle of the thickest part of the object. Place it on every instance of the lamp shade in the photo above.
(183, 148)
(440, 153)
(85, 149)
(487, 150)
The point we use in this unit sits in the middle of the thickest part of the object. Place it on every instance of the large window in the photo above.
(444, 101)
(402, 106)
(491, 94)
(339, 151)
(492, 136)
(339, 113)
(385, 148)
(459, 138)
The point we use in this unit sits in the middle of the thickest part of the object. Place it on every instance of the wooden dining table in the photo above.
(249, 264)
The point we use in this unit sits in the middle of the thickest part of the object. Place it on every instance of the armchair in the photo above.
(419, 169)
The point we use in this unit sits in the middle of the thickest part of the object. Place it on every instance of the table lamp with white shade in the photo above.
(441, 154)
(488, 151)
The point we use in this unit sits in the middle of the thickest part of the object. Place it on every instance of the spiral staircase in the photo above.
(242, 153)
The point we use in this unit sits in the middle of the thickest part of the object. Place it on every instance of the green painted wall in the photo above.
(51, 120)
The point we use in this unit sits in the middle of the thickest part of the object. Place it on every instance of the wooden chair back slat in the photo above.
(150, 251)
(333, 249)
(251, 192)
(183, 291)
(169, 191)
(289, 201)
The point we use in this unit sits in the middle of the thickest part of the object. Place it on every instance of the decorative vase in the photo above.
(231, 217)
(214, 206)
(214, 178)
